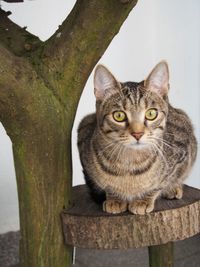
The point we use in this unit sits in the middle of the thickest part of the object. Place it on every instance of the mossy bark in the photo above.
(40, 86)
(161, 255)
(42, 170)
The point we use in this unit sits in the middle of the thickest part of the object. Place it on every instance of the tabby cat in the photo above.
(137, 147)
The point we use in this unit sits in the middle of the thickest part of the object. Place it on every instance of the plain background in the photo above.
(154, 30)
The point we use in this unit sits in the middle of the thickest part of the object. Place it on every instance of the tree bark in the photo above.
(43, 170)
(162, 255)
(40, 86)
(86, 225)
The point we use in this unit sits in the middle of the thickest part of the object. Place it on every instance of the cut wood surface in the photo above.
(86, 225)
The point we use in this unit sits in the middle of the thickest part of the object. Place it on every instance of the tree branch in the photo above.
(13, 1)
(61, 65)
(15, 38)
(72, 52)
(24, 98)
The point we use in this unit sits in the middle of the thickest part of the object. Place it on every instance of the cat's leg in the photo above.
(145, 205)
(114, 205)
(175, 192)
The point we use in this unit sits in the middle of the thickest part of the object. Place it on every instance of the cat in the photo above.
(136, 147)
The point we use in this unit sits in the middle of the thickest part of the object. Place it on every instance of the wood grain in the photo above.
(86, 225)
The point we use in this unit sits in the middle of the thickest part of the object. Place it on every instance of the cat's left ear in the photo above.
(104, 82)
(158, 79)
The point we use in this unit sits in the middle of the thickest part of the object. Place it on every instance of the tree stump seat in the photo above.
(85, 225)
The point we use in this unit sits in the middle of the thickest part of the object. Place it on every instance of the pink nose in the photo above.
(137, 135)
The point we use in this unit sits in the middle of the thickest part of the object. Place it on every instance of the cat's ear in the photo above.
(104, 82)
(158, 79)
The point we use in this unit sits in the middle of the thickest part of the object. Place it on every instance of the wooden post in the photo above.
(161, 255)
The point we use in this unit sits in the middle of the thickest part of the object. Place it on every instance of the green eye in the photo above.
(151, 114)
(119, 116)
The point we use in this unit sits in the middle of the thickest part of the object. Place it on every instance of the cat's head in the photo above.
(133, 114)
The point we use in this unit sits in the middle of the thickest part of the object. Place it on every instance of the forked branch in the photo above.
(72, 52)
(16, 39)
(63, 63)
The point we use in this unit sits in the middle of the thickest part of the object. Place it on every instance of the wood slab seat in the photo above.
(85, 225)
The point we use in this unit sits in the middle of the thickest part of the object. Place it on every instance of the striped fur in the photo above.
(116, 164)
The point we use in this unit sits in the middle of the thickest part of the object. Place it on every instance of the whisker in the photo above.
(169, 134)
(118, 155)
(108, 146)
(161, 153)
(166, 142)
(114, 150)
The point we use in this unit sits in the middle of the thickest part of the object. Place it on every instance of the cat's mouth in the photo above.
(133, 143)
(138, 145)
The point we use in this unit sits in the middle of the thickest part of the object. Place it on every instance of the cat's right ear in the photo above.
(104, 82)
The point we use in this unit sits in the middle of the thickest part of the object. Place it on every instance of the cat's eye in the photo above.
(151, 114)
(119, 116)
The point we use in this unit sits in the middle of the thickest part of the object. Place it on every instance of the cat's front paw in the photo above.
(114, 206)
(141, 206)
(175, 193)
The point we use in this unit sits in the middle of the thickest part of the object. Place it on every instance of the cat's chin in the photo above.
(138, 145)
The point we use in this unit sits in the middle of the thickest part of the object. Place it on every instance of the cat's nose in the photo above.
(137, 135)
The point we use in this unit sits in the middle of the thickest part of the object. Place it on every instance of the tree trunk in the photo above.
(43, 170)
(40, 86)
(161, 255)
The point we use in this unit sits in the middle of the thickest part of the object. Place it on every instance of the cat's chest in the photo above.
(129, 187)
(130, 176)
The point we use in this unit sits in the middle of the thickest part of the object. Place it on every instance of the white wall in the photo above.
(154, 30)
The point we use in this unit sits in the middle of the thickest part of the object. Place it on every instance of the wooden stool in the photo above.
(85, 225)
